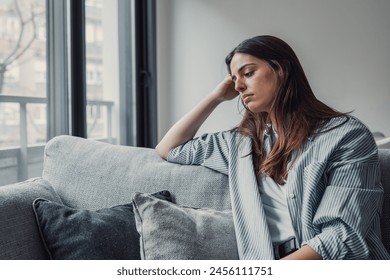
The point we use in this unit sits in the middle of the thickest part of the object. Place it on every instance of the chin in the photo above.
(256, 109)
(253, 109)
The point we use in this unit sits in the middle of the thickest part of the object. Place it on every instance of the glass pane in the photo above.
(9, 125)
(23, 48)
(36, 124)
(102, 68)
(22, 88)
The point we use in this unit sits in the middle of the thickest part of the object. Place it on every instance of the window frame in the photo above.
(66, 92)
(57, 60)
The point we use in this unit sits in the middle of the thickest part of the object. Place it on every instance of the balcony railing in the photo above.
(21, 162)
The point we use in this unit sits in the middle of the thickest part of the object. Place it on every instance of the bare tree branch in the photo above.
(18, 50)
(25, 59)
(22, 44)
(17, 46)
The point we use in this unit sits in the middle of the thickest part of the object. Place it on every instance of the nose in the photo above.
(240, 86)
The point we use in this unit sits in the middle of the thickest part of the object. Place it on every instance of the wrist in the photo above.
(215, 98)
(218, 97)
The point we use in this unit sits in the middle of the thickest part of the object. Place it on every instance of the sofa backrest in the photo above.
(89, 174)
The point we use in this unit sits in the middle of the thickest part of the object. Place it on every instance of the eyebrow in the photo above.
(242, 68)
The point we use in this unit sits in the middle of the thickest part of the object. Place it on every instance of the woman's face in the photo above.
(255, 81)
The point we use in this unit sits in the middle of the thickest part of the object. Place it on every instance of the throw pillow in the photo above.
(171, 232)
(108, 233)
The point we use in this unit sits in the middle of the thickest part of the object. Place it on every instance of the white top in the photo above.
(274, 198)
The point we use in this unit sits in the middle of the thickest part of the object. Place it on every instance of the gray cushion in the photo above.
(79, 234)
(19, 235)
(173, 232)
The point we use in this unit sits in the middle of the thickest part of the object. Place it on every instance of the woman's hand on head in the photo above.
(186, 128)
(225, 90)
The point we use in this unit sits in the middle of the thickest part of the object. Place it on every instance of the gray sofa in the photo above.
(87, 174)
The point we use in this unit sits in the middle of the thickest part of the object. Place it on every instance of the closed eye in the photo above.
(249, 74)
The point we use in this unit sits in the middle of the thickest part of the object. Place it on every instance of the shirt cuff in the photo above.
(328, 245)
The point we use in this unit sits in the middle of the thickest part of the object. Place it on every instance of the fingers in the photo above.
(229, 77)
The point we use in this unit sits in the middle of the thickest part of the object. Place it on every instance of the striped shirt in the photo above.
(334, 191)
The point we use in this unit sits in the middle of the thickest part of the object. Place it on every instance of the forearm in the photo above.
(304, 253)
(186, 128)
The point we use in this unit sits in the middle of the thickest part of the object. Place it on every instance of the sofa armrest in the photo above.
(19, 234)
(384, 160)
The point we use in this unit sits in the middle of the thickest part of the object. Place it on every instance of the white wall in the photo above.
(343, 46)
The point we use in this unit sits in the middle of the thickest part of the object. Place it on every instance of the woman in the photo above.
(303, 178)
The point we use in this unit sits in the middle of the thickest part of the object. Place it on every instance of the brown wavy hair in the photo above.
(297, 112)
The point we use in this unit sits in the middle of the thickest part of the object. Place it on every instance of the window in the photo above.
(22, 88)
(102, 68)
(58, 55)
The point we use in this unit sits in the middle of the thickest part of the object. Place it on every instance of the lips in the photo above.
(246, 98)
